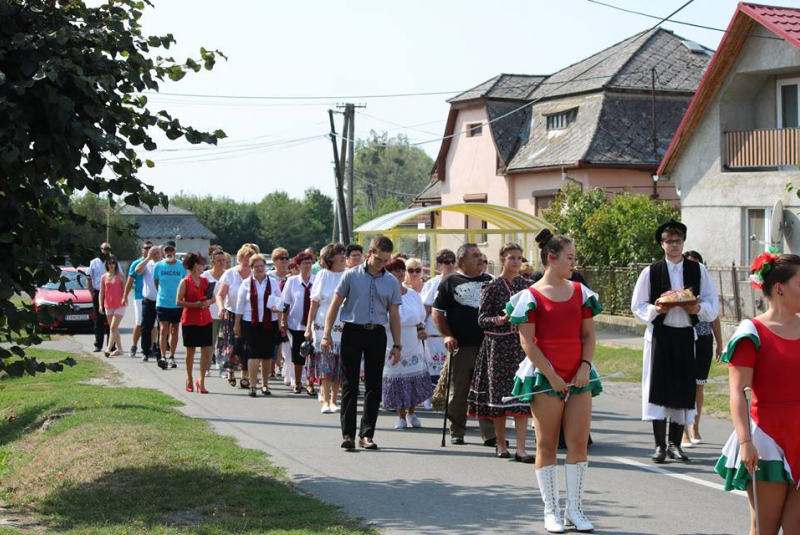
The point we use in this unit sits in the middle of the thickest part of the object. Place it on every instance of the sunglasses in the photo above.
(447, 262)
(414, 270)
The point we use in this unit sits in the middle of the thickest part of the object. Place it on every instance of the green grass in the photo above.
(629, 361)
(80, 457)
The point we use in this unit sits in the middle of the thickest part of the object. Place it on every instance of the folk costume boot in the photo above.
(573, 511)
(674, 450)
(548, 486)
(660, 435)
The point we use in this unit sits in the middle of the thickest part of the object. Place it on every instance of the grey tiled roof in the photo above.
(625, 129)
(610, 128)
(431, 193)
(626, 65)
(562, 147)
(503, 86)
(510, 132)
(161, 223)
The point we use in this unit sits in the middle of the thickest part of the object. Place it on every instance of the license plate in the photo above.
(76, 317)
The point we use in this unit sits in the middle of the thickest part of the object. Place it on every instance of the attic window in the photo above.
(474, 129)
(561, 120)
(695, 48)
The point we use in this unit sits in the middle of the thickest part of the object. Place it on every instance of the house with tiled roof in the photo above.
(738, 146)
(160, 224)
(515, 140)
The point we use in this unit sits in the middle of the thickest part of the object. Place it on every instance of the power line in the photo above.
(692, 24)
(329, 97)
(559, 86)
(244, 151)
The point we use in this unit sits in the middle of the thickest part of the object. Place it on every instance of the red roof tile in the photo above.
(784, 21)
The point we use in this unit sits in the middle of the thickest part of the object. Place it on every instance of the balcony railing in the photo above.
(762, 148)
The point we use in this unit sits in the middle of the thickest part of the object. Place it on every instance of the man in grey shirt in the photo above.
(370, 298)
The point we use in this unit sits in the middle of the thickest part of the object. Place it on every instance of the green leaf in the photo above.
(149, 163)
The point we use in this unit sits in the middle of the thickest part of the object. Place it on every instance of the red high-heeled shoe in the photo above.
(189, 386)
(200, 389)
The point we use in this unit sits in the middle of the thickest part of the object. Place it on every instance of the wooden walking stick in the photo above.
(447, 395)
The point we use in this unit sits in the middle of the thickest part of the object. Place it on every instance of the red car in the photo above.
(80, 315)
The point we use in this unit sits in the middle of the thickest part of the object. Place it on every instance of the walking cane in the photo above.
(447, 394)
(748, 395)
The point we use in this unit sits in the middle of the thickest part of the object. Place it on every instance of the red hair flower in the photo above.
(760, 267)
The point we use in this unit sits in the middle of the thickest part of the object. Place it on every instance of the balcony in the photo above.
(755, 149)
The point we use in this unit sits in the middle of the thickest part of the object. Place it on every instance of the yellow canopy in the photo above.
(505, 219)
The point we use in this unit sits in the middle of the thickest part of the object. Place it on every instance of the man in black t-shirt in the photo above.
(455, 313)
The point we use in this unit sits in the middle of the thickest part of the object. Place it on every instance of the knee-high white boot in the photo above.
(573, 512)
(548, 487)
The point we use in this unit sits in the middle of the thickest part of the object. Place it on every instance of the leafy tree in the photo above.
(384, 206)
(295, 224)
(387, 167)
(94, 209)
(72, 114)
(233, 222)
(609, 232)
(317, 209)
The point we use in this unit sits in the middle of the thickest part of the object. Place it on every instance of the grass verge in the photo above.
(81, 457)
(629, 361)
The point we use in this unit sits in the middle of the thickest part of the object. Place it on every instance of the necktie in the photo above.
(306, 303)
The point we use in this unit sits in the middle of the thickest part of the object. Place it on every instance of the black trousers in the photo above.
(148, 322)
(371, 345)
(100, 325)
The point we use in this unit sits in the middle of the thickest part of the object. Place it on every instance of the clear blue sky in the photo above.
(313, 48)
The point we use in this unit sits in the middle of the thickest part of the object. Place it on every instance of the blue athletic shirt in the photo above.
(138, 282)
(169, 278)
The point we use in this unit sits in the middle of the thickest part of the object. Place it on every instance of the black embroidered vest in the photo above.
(659, 283)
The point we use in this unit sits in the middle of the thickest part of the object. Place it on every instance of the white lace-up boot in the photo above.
(573, 512)
(548, 487)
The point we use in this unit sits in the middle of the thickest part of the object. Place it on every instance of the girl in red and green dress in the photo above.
(764, 354)
(556, 331)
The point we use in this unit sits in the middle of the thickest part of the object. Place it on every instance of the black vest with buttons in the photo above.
(660, 283)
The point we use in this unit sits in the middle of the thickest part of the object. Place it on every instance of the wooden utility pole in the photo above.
(348, 156)
(341, 209)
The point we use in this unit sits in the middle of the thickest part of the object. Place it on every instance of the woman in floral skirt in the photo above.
(500, 356)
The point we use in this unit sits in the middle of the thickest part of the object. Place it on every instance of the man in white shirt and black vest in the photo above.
(668, 374)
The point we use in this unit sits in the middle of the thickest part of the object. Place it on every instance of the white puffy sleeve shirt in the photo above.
(243, 306)
(675, 317)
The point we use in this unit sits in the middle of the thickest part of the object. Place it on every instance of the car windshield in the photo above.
(75, 281)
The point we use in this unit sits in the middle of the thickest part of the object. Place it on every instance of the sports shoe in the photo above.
(145, 357)
(401, 423)
(427, 405)
(172, 363)
(412, 420)
(336, 408)
(326, 409)
(133, 351)
(162, 363)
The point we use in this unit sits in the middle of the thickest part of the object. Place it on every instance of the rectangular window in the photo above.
(543, 203)
(756, 235)
(474, 129)
(561, 120)
(788, 109)
(473, 223)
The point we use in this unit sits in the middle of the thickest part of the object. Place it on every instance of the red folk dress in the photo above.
(558, 336)
(775, 409)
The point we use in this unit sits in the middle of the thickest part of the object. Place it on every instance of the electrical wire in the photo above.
(684, 23)
(565, 82)
(243, 151)
(329, 97)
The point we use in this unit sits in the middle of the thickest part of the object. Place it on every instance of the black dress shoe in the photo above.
(502, 454)
(660, 455)
(676, 453)
(348, 444)
(457, 441)
(528, 459)
(97, 349)
(367, 443)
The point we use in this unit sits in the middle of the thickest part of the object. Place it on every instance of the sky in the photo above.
(341, 49)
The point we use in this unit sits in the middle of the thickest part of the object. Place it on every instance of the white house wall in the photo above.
(713, 202)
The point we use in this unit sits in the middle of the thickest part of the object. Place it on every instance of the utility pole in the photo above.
(655, 126)
(341, 210)
(348, 151)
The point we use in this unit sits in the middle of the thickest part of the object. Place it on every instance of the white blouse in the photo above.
(293, 294)
(243, 307)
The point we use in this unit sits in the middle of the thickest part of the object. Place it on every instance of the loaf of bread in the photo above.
(677, 296)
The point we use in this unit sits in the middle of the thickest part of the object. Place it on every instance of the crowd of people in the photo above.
(487, 345)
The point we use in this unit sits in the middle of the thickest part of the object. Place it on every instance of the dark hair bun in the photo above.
(543, 237)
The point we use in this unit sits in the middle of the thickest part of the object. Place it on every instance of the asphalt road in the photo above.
(412, 485)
